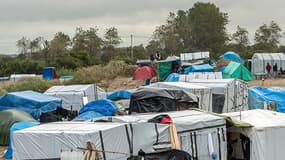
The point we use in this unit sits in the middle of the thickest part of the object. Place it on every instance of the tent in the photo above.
(232, 56)
(103, 106)
(119, 94)
(259, 61)
(199, 68)
(200, 75)
(237, 70)
(260, 98)
(73, 95)
(7, 119)
(88, 115)
(204, 94)
(173, 77)
(31, 102)
(265, 140)
(143, 73)
(48, 141)
(228, 95)
(197, 131)
(166, 67)
(149, 99)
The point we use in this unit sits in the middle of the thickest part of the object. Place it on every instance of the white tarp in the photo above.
(234, 90)
(16, 77)
(191, 125)
(203, 93)
(47, 141)
(200, 75)
(267, 137)
(72, 95)
(260, 60)
(194, 56)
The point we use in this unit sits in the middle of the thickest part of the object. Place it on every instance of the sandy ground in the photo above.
(2, 149)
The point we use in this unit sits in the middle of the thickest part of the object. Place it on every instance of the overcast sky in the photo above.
(33, 18)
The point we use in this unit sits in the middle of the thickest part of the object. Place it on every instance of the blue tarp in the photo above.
(259, 95)
(31, 102)
(15, 127)
(103, 106)
(232, 56)
(173, 77)
(87, 116)
(120, 94)
(199, 68)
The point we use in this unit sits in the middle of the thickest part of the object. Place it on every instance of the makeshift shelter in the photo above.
(187, 57)
(200, 134)
(88, 115)
(173, 77)
(7, 119)
(74, 97)
(260, 60)
(228, 95)
(103, 106)
(266, 98)
(143, 73)
(119, 94)
(165, 67)
(200, 75)
(116, 140)
(265, 140)
(232, 56)
(16, 77)
(237, 70)
(149, 99)
(204, 94)
(199, 68)
(31, 102)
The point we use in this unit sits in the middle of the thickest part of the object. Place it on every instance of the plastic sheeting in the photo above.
(267, 137)
(31, 102)
(194, 56)
(120, 94)
(173, 77)
(103, 106)
(48, 140)
(200, 75)
(16, 127)
(199, 68)
(149, 99)
(237, 70)
(232, 56)
(72, 95)
(88, 115)
(259, 96)
(260, 60)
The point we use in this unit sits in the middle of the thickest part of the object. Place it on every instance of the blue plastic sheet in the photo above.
(120, 94)
(173, 77)
(16, 127)
(232, 56)
(199, 68)
(103, 106)
(31, 102)
(259, 95)
(87, 116)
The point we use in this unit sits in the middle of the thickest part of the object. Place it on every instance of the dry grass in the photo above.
(2, 149)
(280, 82)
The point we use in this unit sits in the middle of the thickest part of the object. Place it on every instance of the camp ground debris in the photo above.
(48, 140)
(73, 95)
(204, 94)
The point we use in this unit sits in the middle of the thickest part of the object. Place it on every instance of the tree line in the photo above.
(200, 28)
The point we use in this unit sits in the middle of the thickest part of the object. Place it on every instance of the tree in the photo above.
(23, 45)
(112, 37)
(240, 38)
(267, 37)
(58, 45)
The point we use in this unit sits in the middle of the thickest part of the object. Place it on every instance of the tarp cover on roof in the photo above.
(259, 95)
(87, 116)
(149, 99)
(16, 127)
(145, 72)
(173, 77)
(237, 70)
(119, 94)
(199, 68)
(103, 106)
(232, 56)
(7, 119)
(31, 102)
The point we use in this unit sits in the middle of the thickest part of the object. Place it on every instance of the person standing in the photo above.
(275, 69)
(268, 69)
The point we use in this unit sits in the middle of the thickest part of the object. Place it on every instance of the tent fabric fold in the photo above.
(237, 70)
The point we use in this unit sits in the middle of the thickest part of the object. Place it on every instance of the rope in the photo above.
(113, 152)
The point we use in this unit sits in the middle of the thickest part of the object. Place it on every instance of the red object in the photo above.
(55, 76)
(143, 73)
(166, 120)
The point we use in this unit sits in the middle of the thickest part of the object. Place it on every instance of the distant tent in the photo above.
(260, 60)
(237, 70)
(31, 102)
(7, 119)
(119, 94)
(232, 56)
(103, 106)
(143, 73)
(199, 68)
(173, 77)
(166, 67)
(88, 115)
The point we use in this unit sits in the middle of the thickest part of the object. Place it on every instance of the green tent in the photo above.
(164, 69)
(7, 119)
(237, 70)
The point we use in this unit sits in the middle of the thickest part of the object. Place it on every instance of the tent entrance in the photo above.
(238, 146)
